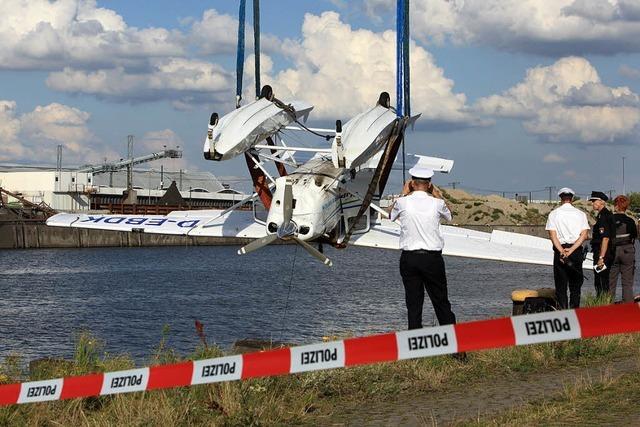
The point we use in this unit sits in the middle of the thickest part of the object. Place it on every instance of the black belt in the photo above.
(422, 251)
(567, 245)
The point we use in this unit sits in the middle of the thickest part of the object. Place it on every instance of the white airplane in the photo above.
(330, 199)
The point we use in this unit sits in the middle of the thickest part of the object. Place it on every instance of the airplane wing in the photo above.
(211, 223)
(497, 245)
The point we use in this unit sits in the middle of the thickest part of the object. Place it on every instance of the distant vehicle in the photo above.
(200, 190)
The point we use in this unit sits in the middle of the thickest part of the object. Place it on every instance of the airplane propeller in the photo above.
(287, 231)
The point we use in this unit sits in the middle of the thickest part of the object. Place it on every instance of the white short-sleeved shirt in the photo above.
(419, 214)
(567, 221)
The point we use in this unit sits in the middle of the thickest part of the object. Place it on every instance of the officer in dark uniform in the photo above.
(624, 263)
(602, 242)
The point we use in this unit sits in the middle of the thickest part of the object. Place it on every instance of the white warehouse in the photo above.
(70, 190)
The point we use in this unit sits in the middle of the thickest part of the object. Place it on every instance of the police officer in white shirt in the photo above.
(568, 229)
(421, 263)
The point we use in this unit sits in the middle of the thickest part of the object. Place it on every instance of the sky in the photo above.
(522, 94)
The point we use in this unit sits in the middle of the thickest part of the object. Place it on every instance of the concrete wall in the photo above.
(17, 235)
(30, 235)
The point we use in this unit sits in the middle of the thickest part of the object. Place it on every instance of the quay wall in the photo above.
(33, 236)
(27, 235)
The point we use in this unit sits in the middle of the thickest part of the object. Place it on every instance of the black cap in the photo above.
(598, 195)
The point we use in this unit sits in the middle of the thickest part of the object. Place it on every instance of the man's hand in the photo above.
(600, 263)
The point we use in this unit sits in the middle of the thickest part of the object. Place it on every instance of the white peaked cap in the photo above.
(566, 190)
(421, 172)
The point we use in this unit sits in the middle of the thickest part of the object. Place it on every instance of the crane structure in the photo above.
(116, 166)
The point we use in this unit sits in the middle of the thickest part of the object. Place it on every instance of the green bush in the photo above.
(634, 199)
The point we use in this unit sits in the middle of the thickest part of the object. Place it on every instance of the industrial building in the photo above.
(69, 190)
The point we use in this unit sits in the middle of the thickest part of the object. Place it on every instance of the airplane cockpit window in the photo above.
(259, 212)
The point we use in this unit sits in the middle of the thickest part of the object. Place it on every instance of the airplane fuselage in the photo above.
(319, 199)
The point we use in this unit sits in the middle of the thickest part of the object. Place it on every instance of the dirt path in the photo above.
(480, 399)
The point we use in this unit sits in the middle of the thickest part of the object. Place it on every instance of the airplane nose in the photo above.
(287, 230)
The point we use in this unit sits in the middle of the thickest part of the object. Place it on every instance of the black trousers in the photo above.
(568, 273)
(601, 280)
(422, 270)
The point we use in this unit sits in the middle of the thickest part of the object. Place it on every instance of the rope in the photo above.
(288, 108)
(286, 305)
(326, 137)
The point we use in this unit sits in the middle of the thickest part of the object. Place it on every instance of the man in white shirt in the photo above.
(419, 212)
(568, 229)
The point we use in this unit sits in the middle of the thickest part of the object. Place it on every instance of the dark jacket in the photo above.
(604, 227)
(626, 229)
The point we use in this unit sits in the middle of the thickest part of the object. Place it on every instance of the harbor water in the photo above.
(127, 296)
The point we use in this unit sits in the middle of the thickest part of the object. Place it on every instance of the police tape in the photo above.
(418, 343)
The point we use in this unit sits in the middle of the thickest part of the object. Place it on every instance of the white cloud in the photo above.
(57, 123)
(554, 158)
(566, 102)
(9, 130)
(41, 34)
(215, 33)
(546, 27)
(176, 79)
(34, 136)
(341, 71)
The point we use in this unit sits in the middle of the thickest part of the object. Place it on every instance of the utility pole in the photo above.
(624, 190)
(130, 157)
(550, 188)
(454, 183)
(59, 168)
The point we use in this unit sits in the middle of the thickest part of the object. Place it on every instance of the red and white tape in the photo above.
(427, 342)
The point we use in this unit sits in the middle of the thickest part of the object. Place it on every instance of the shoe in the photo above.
(460, 357)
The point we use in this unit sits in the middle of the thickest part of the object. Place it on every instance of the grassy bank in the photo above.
(590, 401)
(304, 398)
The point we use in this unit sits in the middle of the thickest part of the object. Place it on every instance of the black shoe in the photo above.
(460, 357)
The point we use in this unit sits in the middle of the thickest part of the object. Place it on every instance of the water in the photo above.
(125, 296)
